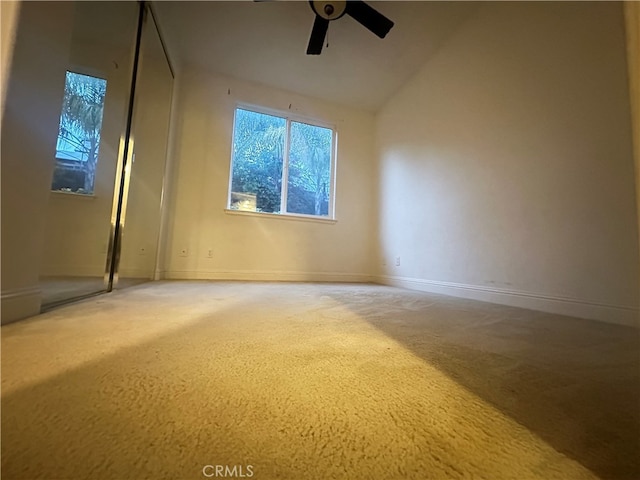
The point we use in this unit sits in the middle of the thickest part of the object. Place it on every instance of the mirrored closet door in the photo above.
(110, 154)
(142, 206)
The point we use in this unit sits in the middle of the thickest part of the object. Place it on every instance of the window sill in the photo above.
(62, 193)
(281, 216)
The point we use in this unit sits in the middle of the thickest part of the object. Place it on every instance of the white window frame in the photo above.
(288, 117)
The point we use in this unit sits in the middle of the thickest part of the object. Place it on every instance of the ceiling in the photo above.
(266, 42)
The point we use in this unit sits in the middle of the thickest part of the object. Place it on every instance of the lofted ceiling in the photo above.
(266, 42)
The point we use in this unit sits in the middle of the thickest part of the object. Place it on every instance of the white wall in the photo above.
(251, 246)
(506, 169)
(29, 130)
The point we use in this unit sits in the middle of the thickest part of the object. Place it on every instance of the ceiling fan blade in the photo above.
(319, 31)
(369, 17)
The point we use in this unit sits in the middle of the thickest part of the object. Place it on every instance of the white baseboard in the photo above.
(135, 273)
(617, 314)
(267, 276)
(19, 303)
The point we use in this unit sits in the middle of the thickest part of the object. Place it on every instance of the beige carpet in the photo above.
(315, 381)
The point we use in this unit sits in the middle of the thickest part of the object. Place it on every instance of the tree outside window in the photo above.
(270, 152)
(78, 142)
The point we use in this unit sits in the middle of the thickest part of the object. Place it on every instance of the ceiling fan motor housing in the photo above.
(329, 10)
(360, 11)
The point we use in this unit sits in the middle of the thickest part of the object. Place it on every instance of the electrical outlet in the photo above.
(210, 253)
(397, 261)
(142, 251)
(184, 252)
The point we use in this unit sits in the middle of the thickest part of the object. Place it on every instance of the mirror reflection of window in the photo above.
(79, 134)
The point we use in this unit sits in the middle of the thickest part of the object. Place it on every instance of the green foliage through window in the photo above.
(272, 152)
(79, 134)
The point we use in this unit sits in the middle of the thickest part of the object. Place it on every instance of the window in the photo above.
(79, 134)
(281, 166)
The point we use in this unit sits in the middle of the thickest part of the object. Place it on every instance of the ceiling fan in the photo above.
(328, 11)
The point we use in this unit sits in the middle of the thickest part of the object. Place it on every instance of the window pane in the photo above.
(309, 169)
(79, 134)
(258, 149)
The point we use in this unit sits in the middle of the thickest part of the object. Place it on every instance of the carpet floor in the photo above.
(193, 380)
